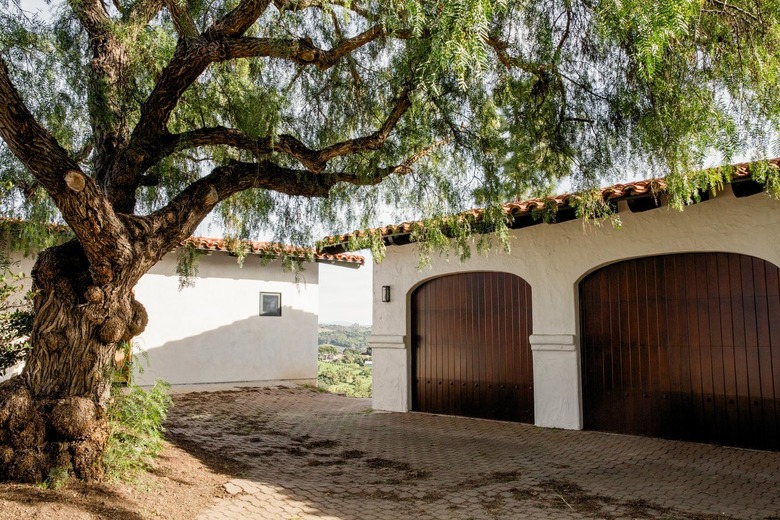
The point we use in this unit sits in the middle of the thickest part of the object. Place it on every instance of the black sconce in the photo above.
(385, 293)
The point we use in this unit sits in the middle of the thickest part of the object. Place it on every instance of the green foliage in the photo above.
(508, 99)
(353, 337)
(342, 362)
(136, 421)
(187, 265)
(327, 352)
(15, 317)
(348, 379)
(56, 478)
(351, 356)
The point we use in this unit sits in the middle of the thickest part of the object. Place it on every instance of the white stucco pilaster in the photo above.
(390, 373)
(557, 397)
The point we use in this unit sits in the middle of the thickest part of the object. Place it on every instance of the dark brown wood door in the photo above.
(470, 349)
(684, 346)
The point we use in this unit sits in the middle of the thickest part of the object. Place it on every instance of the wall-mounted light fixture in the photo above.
(385, 293)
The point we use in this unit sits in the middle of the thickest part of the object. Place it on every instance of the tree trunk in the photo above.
(54, 414)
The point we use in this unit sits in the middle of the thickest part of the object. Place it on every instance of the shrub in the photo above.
(15, 317)
(136, 422)
(349, 379)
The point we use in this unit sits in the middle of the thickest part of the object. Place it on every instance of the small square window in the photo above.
(270, 304)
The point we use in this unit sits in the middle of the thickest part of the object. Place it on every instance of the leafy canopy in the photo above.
(468, 102)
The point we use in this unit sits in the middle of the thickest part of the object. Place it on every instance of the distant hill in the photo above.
(342, 323)
(345, 336)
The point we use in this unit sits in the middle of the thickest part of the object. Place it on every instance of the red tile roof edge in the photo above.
(253, 247)
(271, 249)
(641, 188)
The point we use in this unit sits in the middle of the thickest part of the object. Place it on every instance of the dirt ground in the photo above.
(179, 487)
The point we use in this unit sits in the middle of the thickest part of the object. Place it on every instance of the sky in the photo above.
(345, 294)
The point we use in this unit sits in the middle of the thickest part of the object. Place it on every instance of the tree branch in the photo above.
(142, 11)
(106, 79)
(177, 220)
(723, 5)
(237, 21)
(370, 142)
(80, 200)
(300, 5)
(189, 61)
(315, 161)
(182, 19)
(301, 51)
(510, 62)
(565, 36)
(93, 16)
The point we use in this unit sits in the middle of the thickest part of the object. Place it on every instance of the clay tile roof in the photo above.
(271, 249)
(219, 244)
(642, 188)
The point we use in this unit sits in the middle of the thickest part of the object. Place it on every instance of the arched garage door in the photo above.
(470, 349)
(684, 346)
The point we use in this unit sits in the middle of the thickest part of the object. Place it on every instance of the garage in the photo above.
(470, 350)
(683, 346)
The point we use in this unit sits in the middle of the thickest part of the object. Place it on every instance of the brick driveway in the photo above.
(311, 455)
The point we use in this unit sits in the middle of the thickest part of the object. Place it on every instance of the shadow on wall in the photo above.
(257, 348)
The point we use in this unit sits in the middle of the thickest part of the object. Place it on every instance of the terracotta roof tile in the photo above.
(615, 192)
(219, 244)
(271, 249)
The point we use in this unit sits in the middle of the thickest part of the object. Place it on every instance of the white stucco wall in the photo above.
(553, 258)
(213, 332)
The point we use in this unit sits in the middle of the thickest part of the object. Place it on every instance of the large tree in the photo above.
(131, 121)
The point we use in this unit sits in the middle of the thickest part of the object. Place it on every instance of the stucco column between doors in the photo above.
(390, 373)
(556, 381)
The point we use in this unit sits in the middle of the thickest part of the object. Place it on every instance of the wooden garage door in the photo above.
(684, 346)
(471, 354)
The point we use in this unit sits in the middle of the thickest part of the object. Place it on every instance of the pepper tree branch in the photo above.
(177, 220)
(300, 50)
(108, 58)
(510, 62)
(190, 60)
(78, 197)
(314, 160)
(300, 5)
(142, 11)
(182, 19)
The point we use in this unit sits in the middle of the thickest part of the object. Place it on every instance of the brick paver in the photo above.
(319, 456)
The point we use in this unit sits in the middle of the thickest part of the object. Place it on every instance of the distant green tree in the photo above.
(327, 352)
(352, 356)
(345, 378)
(345, 336)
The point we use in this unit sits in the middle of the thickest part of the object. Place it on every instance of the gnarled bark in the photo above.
(54, 414)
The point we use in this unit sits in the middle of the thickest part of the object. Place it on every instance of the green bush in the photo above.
(15, 317)
(348, 379)
(327, 352)
(136, 423)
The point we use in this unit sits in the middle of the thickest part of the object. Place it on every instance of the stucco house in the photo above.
(668, 326)
(248, 324)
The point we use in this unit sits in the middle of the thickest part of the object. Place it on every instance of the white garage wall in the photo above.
(553, 258)
(212, 332)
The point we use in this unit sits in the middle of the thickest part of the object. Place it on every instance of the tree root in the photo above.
(38, 436)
